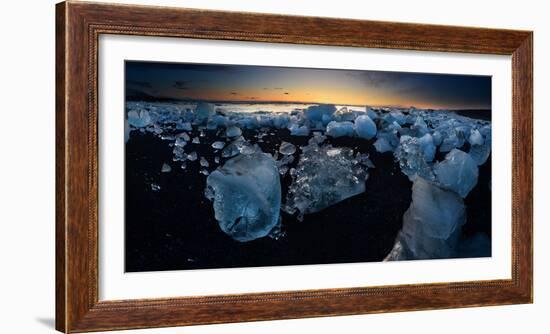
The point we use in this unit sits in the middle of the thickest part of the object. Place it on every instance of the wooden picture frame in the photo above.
(78, 27)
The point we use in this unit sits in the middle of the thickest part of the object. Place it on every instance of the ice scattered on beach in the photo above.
(166, 168)
(438, 150)
(287, 148)
(218, 145)
(246, 194)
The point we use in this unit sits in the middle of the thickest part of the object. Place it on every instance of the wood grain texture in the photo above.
(78, 26)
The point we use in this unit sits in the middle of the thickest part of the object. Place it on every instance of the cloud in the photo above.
(234, 93)
(140, 84)
(182, 85)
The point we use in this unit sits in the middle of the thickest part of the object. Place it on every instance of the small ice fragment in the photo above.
(365, 127)
(296, 130)
(204, 171)
(217, 159)
(204, 162)
(192, 156)
(287, 148)
(233, 131)
(181, 140)
(184, 126)
(196, 140)
(218, 145)
(155, 187)
(166, 168)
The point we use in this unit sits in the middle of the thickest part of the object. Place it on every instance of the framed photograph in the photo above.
(211, 169)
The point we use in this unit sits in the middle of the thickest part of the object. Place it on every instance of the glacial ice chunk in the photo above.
(139, 120)
(340, 129)
(184, 126)
(324, 176)
(454, 139)
(246, 195)
(287, 148)
(365, 127)
(382, 145)
(458, 172)
(320, 113)
(475, 137)
(431, 224)
(296, 130)
(233, 131)
(480, 153)
(371, 113)
(413, 153)
(203, 111)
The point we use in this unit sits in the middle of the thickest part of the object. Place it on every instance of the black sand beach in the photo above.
(174, 227)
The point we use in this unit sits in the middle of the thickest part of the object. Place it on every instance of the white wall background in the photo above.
(27, 69)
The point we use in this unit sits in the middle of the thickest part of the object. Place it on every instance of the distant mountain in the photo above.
(138, 95)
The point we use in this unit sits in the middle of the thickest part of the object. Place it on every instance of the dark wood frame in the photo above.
(78, 26)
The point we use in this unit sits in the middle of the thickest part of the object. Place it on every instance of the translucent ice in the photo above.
(324, 176)
(233, 131)
(192, 156)
(204, 162)
(413, 154)
(166, 168)
(480, 153)
(382, 145)
(458, 172)
(246, 194)
(203, 111)
(475, 137)
(431, 224)
(139, 120)
(218, 145)
(296, 130)
(365, 127)
(287, 148)
(184, 126)
(371, 113)
(320, 113)
(340, 129)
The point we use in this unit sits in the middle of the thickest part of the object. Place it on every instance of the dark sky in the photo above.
(345, 87)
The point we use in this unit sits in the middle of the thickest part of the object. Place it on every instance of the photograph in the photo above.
(232, 166)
